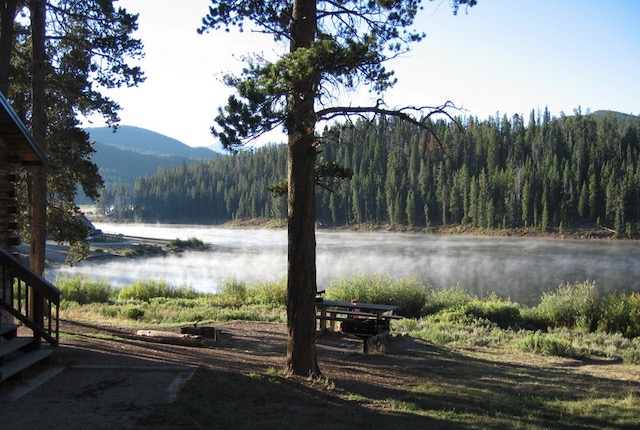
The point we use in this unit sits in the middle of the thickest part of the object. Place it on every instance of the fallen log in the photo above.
(204, 331)
(169, 338)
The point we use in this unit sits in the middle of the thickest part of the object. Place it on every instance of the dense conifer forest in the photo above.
(541, 172)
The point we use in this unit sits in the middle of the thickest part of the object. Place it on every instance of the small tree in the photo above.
(332, 44)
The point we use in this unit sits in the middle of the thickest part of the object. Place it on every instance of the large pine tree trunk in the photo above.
(301, 269)
(38, 185)
(7, 18)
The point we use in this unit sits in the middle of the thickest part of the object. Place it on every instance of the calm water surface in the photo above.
(521, 269)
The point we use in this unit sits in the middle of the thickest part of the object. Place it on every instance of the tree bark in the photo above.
(7, 18)
(38, 195)
(301, 157)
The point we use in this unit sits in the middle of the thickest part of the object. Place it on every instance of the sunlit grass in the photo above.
(446, 316)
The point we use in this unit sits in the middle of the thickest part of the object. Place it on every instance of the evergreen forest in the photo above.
(543, 173)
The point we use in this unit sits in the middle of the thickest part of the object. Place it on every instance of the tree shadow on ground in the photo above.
(466, 391)
(412, 384)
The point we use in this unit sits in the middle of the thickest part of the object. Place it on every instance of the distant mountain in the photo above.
(132, 152)
(624, 119)
(147, 142)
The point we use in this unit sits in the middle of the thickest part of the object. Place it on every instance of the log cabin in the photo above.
(29, 304)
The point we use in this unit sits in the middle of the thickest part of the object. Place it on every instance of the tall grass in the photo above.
(409, 294)
(145, 290)
(237, 293)
(571, 320)
(272, 293)
(445, 298)
(84, 290)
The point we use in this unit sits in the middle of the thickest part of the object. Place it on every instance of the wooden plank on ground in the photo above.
(169, 337)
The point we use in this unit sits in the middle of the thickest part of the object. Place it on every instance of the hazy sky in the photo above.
(507, 56)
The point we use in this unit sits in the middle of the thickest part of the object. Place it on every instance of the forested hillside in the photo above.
(542, 172)
(132, 152)
(146, 141)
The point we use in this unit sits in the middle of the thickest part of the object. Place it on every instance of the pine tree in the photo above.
(329, 43)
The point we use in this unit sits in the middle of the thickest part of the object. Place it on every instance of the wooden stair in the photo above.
(18, 353)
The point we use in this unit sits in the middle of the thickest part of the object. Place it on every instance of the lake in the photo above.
(518, 268)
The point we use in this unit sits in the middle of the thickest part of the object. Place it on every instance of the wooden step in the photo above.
(6, 328)
(14, 344)
(19, 364)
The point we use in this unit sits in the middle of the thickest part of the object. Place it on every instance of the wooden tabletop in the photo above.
(352, 305)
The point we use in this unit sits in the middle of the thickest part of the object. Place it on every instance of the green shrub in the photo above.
(503, 313)
(571, 305)
(192, 242)
(531, 319)
(445, 298)
(631, 356)
(270, 293)
(149, 289)
(84, 290)
(233, 292)
(543, 343)
(128, 252)
(409, 294)
(133, 312)
(108, 311)
(442, 329)
(405, 325)
(621, 314)
(459, 315)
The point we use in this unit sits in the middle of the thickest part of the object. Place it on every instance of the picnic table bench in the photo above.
(363, 320)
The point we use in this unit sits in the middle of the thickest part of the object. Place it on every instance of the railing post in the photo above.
(35, 312)
(7, 295)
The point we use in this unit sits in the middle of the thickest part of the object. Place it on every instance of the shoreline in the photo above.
(585, 231)
(588, 232)
(126, 247)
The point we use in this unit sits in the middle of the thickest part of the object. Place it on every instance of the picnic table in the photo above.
(364, 320)
(367, 321)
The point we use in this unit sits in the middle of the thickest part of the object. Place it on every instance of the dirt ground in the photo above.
(100, 379)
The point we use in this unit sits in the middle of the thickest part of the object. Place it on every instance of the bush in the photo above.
(542, 343)
(133, 312)
(503, 313)
(84, 290)
(621, 314)
(445, 298)
(192, 242)
(572, 306)
(631, 356)
(270, 293)
(233, 292)
(409, 294)
(532, 320)
(149, 289)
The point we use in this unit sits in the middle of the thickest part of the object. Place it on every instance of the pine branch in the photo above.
(407, 114)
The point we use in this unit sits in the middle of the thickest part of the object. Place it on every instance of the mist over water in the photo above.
(521, 269)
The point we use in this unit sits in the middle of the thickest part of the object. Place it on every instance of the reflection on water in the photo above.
(512, 267)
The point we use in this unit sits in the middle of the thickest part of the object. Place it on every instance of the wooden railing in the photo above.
(29, 298)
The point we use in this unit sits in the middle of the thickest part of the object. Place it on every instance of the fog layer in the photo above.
(521, 269)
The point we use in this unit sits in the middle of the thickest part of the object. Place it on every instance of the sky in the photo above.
(501, 56)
